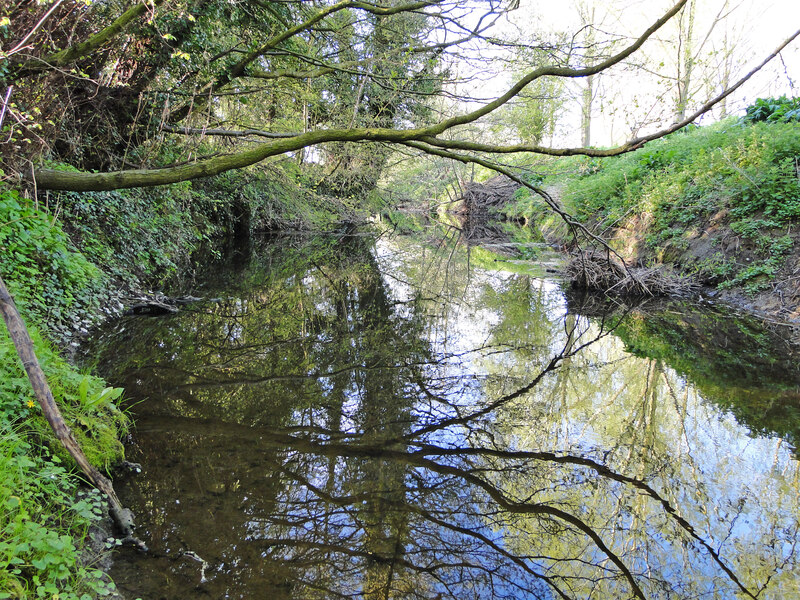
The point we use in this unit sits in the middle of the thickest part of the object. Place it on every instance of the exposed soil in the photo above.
(687, 261)
(713, 242)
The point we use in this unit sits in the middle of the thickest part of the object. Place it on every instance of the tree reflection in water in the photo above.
(362, 419)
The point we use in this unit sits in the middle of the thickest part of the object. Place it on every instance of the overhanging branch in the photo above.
(425, 136)
(628, 146)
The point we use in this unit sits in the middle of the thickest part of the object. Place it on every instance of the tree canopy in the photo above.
(106, 87)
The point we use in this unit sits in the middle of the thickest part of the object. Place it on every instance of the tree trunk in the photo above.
(586, 112)
(588, 19)
(685, 61)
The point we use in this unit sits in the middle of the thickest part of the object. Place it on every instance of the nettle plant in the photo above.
(774, 110)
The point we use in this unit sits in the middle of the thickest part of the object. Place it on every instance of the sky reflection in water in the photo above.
(388, 419)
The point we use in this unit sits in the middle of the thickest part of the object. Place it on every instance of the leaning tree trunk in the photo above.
(24, 345)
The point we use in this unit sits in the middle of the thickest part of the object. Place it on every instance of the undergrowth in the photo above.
(42, 522)
(50, 280)
(736, 183)
(43, 519)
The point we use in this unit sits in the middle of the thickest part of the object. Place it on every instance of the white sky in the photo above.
(626, 100)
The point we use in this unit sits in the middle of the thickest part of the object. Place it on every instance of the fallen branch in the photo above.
(603, 272)
(494, 194)
(122, 517)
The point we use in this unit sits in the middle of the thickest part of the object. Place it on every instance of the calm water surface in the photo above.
(353, 417)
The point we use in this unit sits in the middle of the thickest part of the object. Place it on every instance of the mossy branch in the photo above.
(82, 182)
(69, 55)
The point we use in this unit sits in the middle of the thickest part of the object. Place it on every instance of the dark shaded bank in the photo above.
(71, 261)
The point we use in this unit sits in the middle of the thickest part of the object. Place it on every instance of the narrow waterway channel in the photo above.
(352, 416)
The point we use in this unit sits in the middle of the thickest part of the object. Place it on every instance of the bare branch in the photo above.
(226, 132)
(627, 146)
(238, 70)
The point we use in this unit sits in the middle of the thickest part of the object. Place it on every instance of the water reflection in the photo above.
(387, 419)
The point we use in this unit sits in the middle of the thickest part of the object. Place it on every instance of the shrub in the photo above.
(777, 110)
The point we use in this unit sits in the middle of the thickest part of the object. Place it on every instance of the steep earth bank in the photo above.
(719, 205)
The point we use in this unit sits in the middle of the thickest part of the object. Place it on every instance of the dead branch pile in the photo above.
(602, 271)
(495, 193)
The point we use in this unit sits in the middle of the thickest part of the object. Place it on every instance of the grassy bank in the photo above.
(67, 260)
(720, 203)
(44, 522)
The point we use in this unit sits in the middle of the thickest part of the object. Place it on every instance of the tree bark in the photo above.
(587, 94)
(586, 112)
(685, 61)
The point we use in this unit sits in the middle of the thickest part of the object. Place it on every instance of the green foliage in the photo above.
(139, 236)
(282, 197)
(533, 114)
(85, 401)
(40, 520)
(425, 179)
(776, 110)
(146, 236)
(745, 179)
(50, 279)
(526, 204)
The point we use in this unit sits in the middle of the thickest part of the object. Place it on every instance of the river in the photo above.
(362, 416)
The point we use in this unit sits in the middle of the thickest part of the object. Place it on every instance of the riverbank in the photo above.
(719, 205)
(71, 261)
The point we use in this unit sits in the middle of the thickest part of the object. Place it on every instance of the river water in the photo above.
(352, 416)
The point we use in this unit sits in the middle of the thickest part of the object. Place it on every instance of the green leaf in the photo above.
(83, 387)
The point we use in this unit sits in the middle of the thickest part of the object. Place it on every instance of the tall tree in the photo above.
(224, 58)
(588, 14)
(685, 59)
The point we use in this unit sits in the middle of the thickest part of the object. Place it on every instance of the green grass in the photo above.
(747, 168)
(43, 522)
(745, 177)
